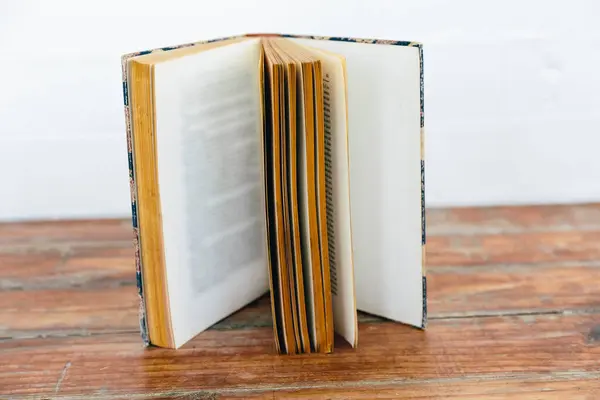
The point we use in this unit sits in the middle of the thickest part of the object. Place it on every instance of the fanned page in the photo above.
(293, 204)
(315, 216)
(383, 86)
(278, 135)
(275, 197)
(210, 174)
(339, 227)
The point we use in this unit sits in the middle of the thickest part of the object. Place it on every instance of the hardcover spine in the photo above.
(133, 195)
(423, 219)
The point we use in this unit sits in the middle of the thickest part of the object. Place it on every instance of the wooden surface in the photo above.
(514, 306)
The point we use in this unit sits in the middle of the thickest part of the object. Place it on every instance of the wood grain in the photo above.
(495, 220)
(513, 289)
(453, 292)
(517, 386)
(56, 232)
(43, 312)
(98, 286)
(521, 248)
(71, 266)
(514, 310)
(388, 353)
(457, 221)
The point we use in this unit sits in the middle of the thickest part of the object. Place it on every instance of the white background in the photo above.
(512, 92)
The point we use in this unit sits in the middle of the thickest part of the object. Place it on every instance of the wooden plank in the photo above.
(75, 266)
(466, 220)
(117, 258)
(468, 349)
(78, 265)
(453, 292)
(557, 386)
(44, 232)
(513, 289)
(524, 386)
(43, 312)
(513, 219)
(17, 268)
(64, 244)
(25, 314)
(520, 386)
(514, 248)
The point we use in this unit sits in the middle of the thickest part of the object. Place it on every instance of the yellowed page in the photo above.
(275, 81)
(338, 195)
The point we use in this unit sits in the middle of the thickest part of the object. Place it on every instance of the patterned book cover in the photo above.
(132, 185)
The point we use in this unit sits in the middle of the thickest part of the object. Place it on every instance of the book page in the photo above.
(275, 281)
(303, 208)
(292, 176)
(142, 138)
(322, 213)
(276, 153)
(209, 128)
(310, 195)
(339, 227)
(385, 175)
(286, 202)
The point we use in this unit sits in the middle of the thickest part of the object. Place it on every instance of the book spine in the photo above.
(133, 196)
(423, 219)
(348, 39)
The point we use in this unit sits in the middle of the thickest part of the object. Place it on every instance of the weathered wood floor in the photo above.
(514, 305)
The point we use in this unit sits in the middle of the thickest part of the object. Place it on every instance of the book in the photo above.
(283, 164)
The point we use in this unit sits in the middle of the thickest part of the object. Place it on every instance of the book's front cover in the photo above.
(130, 137)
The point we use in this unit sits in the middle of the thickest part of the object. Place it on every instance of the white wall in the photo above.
(512, 92)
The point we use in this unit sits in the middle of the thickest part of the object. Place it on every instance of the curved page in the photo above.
(208, 128)
(385, 175)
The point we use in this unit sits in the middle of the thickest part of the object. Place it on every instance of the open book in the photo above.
(283, 164)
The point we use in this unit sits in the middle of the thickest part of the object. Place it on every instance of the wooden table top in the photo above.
(514, 307)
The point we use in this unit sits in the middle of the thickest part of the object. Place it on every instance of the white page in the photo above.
(208, 130)
(385, 176)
